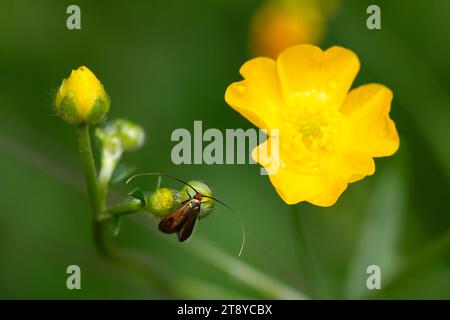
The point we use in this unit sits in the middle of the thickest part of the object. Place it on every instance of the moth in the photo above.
(182, 220)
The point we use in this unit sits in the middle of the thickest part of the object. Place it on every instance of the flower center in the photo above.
(308, 134)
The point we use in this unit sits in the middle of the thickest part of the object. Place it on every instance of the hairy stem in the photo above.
(123, 208)
(97, 194)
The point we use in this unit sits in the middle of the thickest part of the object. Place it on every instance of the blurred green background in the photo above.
(166, 64)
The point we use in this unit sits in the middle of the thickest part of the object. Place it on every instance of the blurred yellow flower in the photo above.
(81, 98)
(280, 24)
(328, 136)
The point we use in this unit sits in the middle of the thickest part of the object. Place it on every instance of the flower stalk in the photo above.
(123, 208)
(96, 194)
(312, 270)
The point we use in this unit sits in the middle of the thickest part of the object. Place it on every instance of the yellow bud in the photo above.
(161, 202)
(81, 98)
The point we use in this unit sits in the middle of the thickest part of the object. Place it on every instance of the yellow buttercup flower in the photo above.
(327, 135)
(81, 98)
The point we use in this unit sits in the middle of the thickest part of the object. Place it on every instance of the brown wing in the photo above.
(188, 225)
(174, 221)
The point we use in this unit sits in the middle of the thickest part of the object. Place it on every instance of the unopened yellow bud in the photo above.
(81, 98)
(161, 201)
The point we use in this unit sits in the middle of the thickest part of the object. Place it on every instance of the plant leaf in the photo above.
(379, 234)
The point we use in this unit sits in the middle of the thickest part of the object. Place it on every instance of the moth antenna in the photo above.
(159, 174)
(158, 184)
(238, 216)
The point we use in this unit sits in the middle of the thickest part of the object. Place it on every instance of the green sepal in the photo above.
(99, 110)
(138, 194)
(68, 110)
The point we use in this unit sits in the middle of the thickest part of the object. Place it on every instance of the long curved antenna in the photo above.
(238, 216)
(159, 174)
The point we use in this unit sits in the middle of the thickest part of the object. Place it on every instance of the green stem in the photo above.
(263, 284)
(309, 264)
(123, 208)
(111, 155)
(97, 195)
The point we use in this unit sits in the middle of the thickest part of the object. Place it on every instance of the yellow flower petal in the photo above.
(320, 187)
(358, 166)
(368, 127)
(307, 72)
(258, 97)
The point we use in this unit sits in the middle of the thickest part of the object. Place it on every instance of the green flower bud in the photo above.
(81, 98)
(129, 134)
(207, 204)
(161, 202)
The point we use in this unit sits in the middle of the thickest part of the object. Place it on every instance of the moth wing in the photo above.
(174, 221)
(187, 227)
